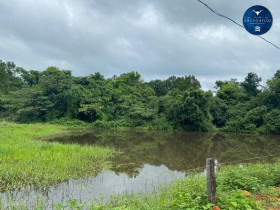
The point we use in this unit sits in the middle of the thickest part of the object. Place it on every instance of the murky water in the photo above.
(148, 160)
(178, 151)
(100, 188)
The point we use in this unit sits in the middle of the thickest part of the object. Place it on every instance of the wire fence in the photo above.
(211, 177)
(240, 161)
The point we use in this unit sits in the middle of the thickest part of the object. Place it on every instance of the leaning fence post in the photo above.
(211, 180)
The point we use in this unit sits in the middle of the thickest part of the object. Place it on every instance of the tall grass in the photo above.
(253, 187)
(25, 161)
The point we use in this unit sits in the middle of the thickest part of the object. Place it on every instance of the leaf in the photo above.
(234, 204)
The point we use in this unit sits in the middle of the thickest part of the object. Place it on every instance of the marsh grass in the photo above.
(28, 162)
(261, 182)
(25, 161)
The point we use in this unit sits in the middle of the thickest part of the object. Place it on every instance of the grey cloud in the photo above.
(158, 38)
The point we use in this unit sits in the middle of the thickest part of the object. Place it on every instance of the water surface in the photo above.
(146, 160)
(178, 151)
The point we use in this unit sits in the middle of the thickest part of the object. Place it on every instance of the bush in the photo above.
(237, 200)
(272, 122)
(251, 178)
(190, 194)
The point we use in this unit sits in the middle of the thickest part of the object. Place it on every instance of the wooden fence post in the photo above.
(211, 180)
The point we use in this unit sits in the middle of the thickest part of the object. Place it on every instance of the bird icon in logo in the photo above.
(257, 12)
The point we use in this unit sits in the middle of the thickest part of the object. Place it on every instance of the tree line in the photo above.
(55, 95)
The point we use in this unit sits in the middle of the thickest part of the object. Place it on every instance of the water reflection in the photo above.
(101, 187)
(178, 151)
(148, 159)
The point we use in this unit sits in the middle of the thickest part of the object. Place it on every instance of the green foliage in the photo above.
(27, 105)
(237, 200)
(236, 117)
(256, 116)
(29, 77)
(127, 101)
(130, 79)
(274, 88)
(162, 87)
(8, 79)
(231, 93)
(27, 162)
(71, 122)
(190, 193)
(251, 84)
(272, 121)
(252, 178)
(218, 111)
(70, 204)
(190, 110)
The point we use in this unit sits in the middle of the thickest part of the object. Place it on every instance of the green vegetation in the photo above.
(26, 161)
(250, 187)
(56, 96)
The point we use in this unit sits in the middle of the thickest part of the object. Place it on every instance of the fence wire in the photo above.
(240, 161)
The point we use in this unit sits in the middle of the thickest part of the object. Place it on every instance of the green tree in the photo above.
(27, 105)
(230, 92)
(8, 77)
(162, 87)
(218, 111)
(29, 77)
(272, 122)
(274, 90)
(251, 84)
(191, 110)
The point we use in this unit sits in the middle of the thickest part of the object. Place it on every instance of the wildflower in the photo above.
(216, 208)
(245, 192)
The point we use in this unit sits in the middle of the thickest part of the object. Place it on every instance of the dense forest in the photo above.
(56, 95)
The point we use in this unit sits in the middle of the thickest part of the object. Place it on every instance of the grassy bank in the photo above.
(250, 187)
(27, 161)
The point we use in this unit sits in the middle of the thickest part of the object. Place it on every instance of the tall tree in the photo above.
(8, 77)
(251, 84)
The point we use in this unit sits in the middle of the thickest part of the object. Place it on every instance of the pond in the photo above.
(147, 160)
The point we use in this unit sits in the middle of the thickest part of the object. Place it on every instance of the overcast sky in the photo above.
(157, 38)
